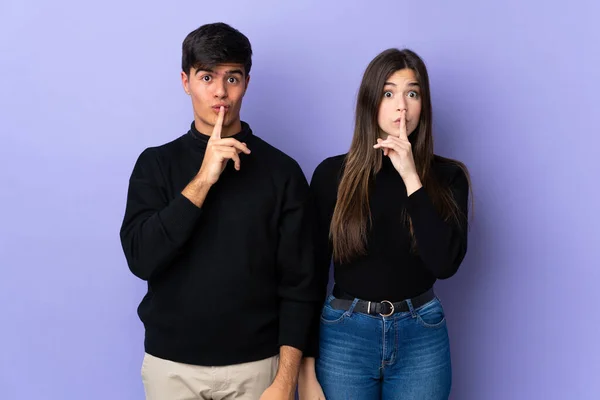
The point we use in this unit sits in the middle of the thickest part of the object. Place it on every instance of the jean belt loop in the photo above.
(351, 309)
(413, 313)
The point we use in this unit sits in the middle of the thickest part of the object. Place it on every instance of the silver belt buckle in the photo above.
(391, 305)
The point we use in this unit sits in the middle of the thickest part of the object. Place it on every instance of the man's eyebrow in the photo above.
(234, 72)
(228, 72)
(203, 70)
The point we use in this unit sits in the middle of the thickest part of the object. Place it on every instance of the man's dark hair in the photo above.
(213, 44)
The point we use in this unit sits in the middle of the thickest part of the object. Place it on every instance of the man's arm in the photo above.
(154, 229)
(320, 213)
(289, 366)
(297, 287)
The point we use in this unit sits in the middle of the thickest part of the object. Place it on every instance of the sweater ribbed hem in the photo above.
(177, 348)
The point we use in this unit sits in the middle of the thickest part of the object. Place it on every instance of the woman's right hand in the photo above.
(308, 385)
(310, 389)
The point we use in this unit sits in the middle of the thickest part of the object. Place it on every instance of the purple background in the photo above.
(84, 87)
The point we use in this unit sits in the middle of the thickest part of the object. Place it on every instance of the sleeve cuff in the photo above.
(312, 346)
(419, 205)
(295, 320)
(180, 218)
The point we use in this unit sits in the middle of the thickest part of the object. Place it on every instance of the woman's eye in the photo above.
(413, 94)
(388, 94)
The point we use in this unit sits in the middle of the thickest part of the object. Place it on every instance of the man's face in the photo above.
(222, 85)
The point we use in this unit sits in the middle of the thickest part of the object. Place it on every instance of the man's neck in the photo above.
(229, 130)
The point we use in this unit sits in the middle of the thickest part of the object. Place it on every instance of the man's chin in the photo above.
(227, 121)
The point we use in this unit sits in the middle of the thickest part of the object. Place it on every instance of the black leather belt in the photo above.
(384, 308)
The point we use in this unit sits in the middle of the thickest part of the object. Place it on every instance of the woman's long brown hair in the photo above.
(352, 217)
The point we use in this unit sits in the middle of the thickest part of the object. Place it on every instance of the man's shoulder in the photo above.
(174, 145)
(163, 150)
(276, 157)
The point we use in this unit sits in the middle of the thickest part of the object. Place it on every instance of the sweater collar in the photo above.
(200, 140)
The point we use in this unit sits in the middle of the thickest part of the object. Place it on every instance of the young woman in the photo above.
(393, 217)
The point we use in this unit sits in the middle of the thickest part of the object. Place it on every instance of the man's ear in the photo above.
(185, 82)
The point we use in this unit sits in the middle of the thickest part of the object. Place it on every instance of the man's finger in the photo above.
(232, 154)
(226, 149)
(236, 159)
(216, 133)
(229, 153)
(233, 143)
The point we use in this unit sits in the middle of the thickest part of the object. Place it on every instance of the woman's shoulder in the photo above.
(450, 171)
(328, 172)
(333, 163)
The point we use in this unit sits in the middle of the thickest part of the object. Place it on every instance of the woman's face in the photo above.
(401, 94)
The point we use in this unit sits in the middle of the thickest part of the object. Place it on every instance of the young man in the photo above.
(214, 222)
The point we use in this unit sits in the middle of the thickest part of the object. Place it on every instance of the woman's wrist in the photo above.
(307, 369)
(412, 183)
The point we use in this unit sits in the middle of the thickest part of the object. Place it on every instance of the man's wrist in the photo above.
(201, 183)
(284, 384)
(286, 378)
(197, 190)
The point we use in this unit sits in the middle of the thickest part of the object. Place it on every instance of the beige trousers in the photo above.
(168, 380)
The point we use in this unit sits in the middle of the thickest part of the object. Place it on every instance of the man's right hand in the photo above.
(219, 152)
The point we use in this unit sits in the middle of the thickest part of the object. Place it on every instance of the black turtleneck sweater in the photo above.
(390, 270)
(231, 281)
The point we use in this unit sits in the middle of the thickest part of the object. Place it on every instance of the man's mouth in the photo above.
(218, 106)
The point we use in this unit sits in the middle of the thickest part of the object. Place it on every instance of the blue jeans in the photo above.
(369, 357)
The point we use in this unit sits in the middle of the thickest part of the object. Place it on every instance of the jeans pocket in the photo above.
(330, 315)
(431, 315)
